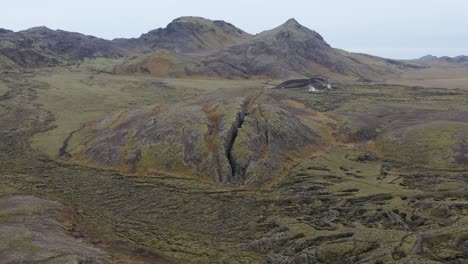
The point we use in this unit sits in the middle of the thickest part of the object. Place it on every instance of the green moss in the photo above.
(430, 144)
(3, 88)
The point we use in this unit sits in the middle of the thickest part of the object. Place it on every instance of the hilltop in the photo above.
(187, 35)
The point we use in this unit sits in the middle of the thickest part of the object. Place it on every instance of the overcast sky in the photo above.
(392, 28)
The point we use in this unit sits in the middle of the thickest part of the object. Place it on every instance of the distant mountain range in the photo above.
(458, 59)
(196, 47)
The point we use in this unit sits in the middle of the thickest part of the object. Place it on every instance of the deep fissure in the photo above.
(63, 150)
(237, 125)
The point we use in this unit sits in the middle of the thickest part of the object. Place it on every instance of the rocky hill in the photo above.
(290, 50)
(41, 46)
(428, 57)
(234, 140)
(458, 59)
(462, 59)
(187, 35)
(191, 47)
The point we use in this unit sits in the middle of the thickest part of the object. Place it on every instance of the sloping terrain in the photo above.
(435, 75)
(30, 234)
(43, 47)
(349, 202)
(235, 140)
(428, 57)
(187, 35)
(102, 162)
(462, 59)
(193, 47)
(290, 50)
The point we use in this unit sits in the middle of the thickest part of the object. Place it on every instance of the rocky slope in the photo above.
(197, 47)
(347, 204)
(290, 50)
(42, 47)
(235, 140)
(428, 57)
(187, 35)
(462, 59)
(458, 59)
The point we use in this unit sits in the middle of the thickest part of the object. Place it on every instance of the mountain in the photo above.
(187, 35)
(290, 50)
(428, 57)
(458, 59)
(192, 47)
(461, 60)
(41, 47)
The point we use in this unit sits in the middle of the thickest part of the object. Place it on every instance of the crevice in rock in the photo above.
(235, 131)
(246, 108)
(221, 141)
(63, 149)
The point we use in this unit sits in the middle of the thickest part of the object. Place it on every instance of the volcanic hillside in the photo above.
(194, 47)
(44, 47)
(187, 35)
(290, 50)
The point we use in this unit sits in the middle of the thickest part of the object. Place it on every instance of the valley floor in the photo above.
(437, 76)
(389, 185)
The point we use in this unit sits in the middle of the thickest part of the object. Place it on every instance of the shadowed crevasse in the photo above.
(231, 138)
(63, 150)
(235, 131)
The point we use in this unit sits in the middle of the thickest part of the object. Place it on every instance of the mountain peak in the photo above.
(429, 57)
(292, 25)
(192, 20)
(38, 29)
(291, 22)
(292, 30)
(194, 34)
